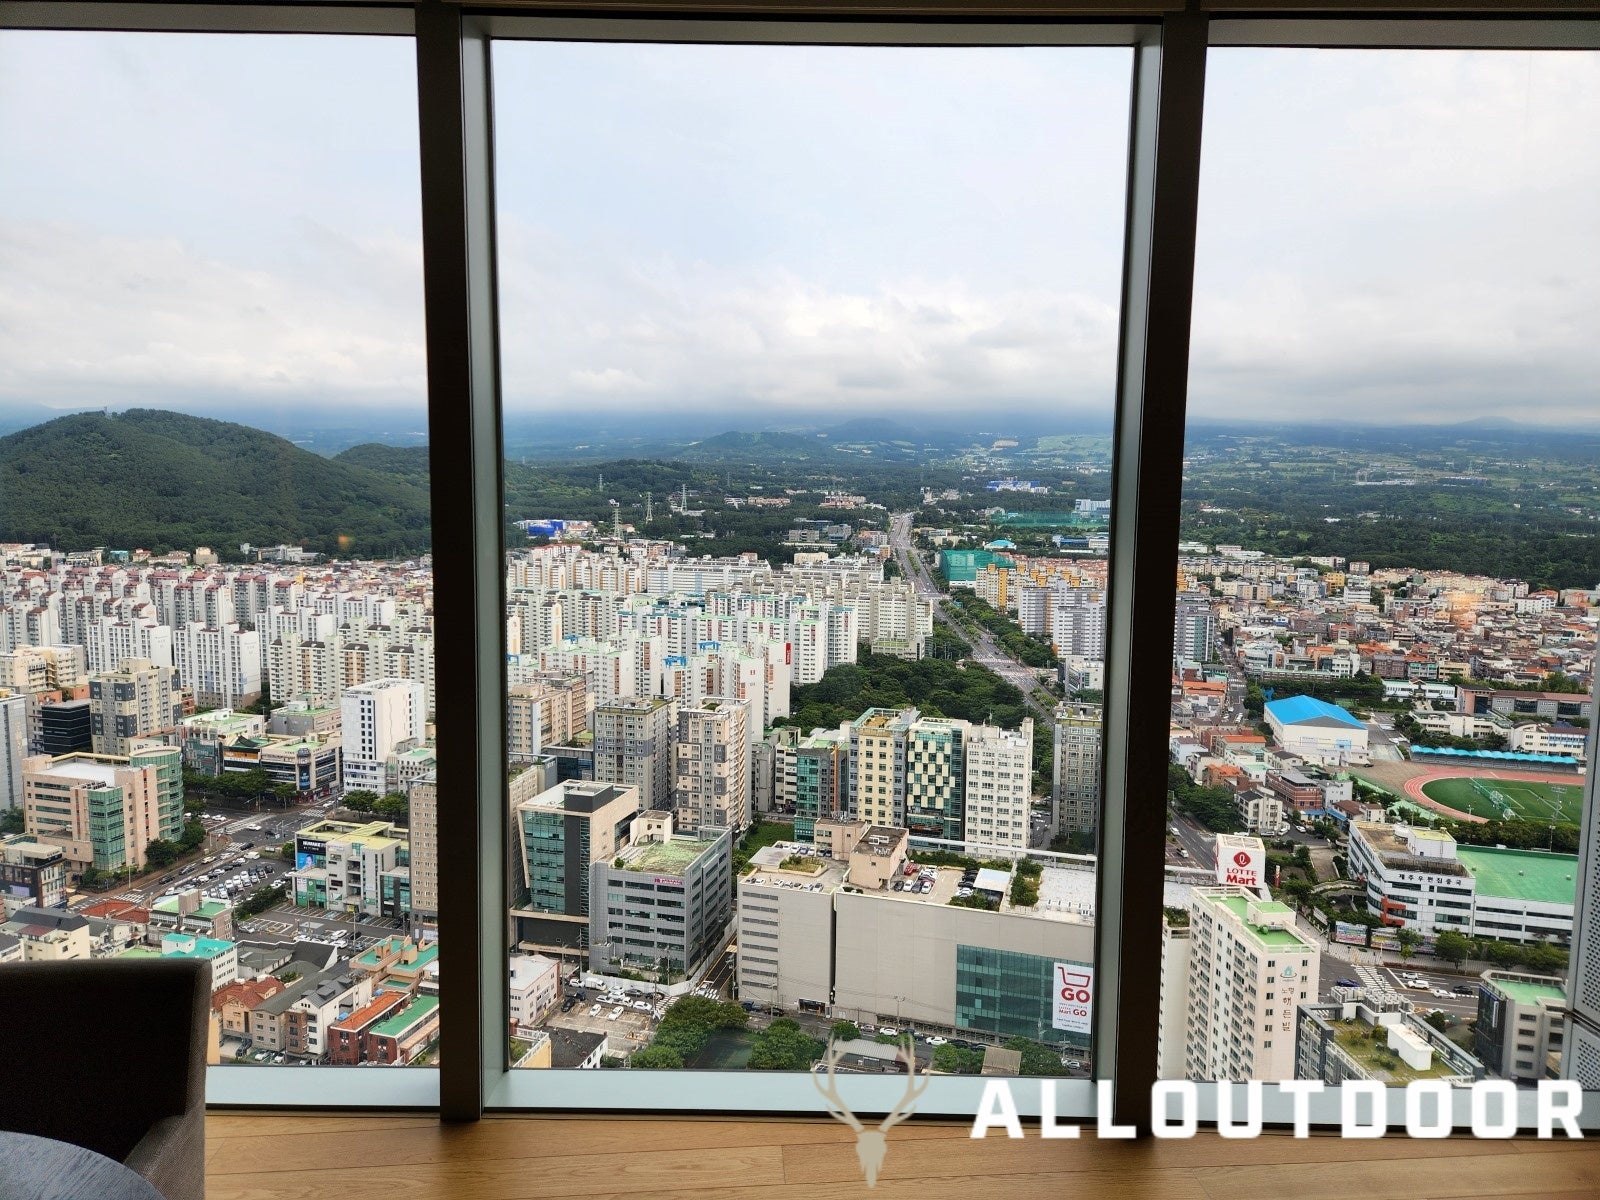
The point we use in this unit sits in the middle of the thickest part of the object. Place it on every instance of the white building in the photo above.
(711, 759)
(1248, 969)
(535, 987)
(999, 785)
(219, 664)
(375, 719)
(13, 749)
(1314, 730)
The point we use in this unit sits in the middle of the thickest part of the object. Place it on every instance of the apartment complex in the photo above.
(423, 796)
(13, 749)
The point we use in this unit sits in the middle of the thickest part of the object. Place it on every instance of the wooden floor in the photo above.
(320, 1157)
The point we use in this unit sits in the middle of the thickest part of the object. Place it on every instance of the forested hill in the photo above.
(163, 481)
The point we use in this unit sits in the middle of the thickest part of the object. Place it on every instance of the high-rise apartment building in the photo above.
(136, 700)
(711, 779)
(423, 795)
(633, 747)
(376, 719)
(1194, 631)
(1248, 970)
(13, 749)
(816, 771)
(999, 785)
(1075, 787)
(878, 740)
(219, 664)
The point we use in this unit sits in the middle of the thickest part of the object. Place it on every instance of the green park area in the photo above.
(1509, 799)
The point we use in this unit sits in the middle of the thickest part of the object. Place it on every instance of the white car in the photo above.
(641, 1005)
(890, 1031)
(594, 1011)
(614, 1013)
(938, 1041)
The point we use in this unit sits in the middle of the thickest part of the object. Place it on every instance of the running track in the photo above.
(1413, 786)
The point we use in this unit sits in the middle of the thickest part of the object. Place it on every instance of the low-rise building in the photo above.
(575, 1050)
(535, 987)
(406, 1033)
(347, 867)
(223, 956)
(234, 1003)
(348, 1037)
(1358, 1038)
(190, 912)
(664, 903)
(1521, 1022)
(49, 934)
(33, 874)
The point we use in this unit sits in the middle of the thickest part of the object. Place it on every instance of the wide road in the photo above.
(985, 649)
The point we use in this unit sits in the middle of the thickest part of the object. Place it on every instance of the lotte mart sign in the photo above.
(1074, 997)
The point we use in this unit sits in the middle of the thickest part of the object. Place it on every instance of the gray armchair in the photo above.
(110, 1055)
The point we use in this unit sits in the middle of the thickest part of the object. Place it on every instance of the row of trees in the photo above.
(1213, 807)
(686, 1029)
(1026, 649)
(392, 807)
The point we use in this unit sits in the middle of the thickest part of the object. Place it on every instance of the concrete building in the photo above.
(935, 777)
(1075, 790)
(104, 811)
(1314, 730)
(49, 934)
(1522, 1022)
(423, 795)
(1422, 879)
(999, 785)
(219, 664)
(138, 699)
(1172, 1030)
(33, 874)
(633, 748)
(376, 719)
(1194, 632)
(64, 728)
(561, 832)
(835, 932)
(346, 867)
(665, 906)
(13, 749)
(1248, 970)
(203, 736)
(711, 781)
(190, 912)
(817, 775)
(534, 989)
(877, 765)
(222, 955)
(1360, 1038)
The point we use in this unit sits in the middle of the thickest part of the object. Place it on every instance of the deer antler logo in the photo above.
(872, 1144)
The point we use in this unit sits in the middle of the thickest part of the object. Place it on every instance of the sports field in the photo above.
(1495, 798)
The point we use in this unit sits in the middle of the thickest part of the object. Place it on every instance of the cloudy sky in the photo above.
(233, 223)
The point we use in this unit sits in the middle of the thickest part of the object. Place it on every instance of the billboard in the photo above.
(1240, 860)
(1072, 1006)
(309, 853)
(1350, 935)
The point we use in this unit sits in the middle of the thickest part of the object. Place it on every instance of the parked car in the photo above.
(614, 1013)
(888, 1029)
(595, 1011)
(938, 1041)
(1346, 983)
(1464, 990)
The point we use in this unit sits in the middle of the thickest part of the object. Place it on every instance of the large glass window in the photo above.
(808, 366)
(1386, 609)
(216, 644)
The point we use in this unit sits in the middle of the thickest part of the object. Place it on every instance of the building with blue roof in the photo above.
(1317, 731)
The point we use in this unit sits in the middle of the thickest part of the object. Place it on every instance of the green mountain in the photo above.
(164, 481)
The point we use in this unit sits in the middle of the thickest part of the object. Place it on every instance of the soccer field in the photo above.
(1501, 799)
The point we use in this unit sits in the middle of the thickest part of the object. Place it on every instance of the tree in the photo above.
(13, 820)
(91, 878)
(844, 1031)
(360, 800)
(194, 832)
(1438, 1020)
(1453, 947)
(784, 1046)
(284, 792)
(160, 853)
(658, 1058)
(1409, 940)
(393, 807)
(286, 852)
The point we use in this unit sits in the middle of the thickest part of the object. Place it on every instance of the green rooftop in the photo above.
(418, 1010)
(1521, 992)
(1272, 938)
(1522, 874)
(140, 952)
(672, 858)
(1377, 1061)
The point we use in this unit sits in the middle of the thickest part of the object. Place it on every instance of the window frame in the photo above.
(455, 130)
